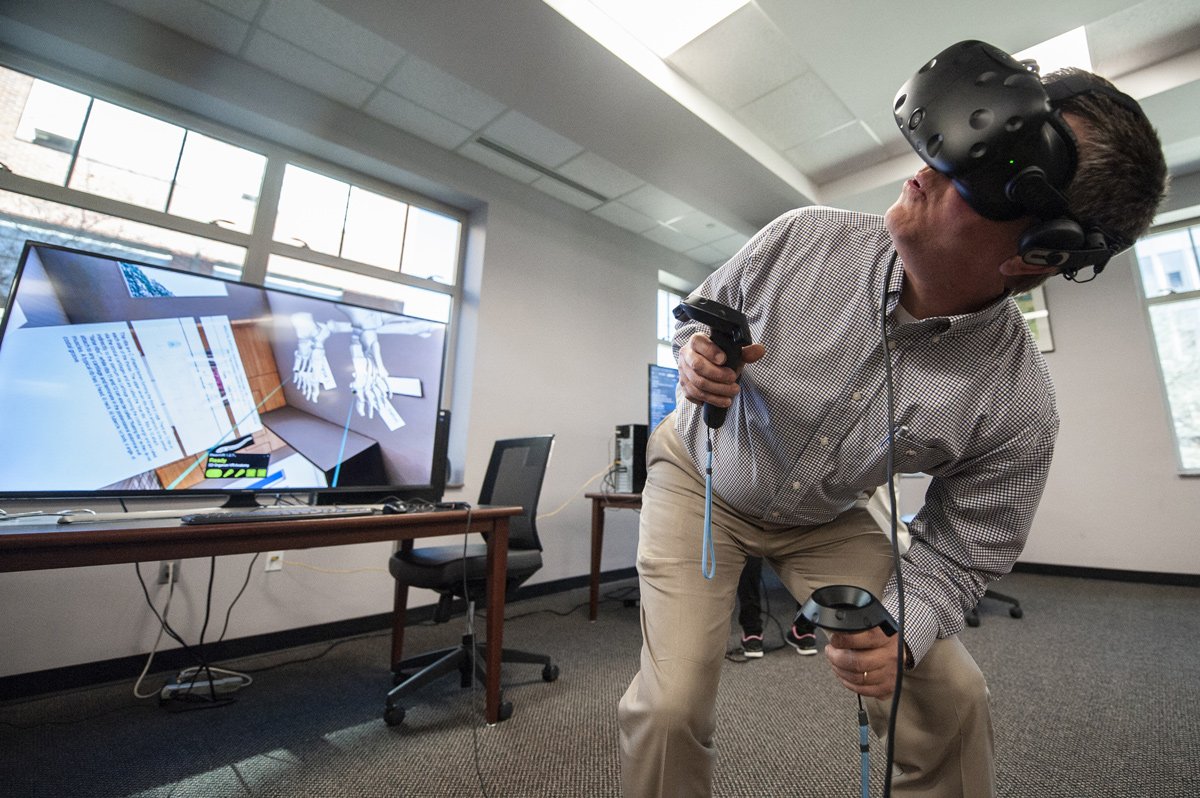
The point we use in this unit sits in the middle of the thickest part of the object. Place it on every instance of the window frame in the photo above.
(1147, 303)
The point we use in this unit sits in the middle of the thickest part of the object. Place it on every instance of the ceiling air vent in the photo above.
(537, 167)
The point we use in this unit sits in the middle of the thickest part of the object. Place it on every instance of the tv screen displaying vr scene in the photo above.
(121, 378)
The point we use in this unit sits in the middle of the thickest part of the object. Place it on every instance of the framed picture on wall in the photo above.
(1033, 308)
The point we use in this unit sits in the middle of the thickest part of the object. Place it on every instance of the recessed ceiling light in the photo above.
(666, 25)
(1069, 49)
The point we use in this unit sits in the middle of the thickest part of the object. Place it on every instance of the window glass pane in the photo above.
(1177, 335)
(374, 229)
(217, 181)
(312, 209)
(431, 246)
(127, 156)
(25, 218)
(667, 300)
(666, 357)
(1167, 263)
(322, 281)
(46, 120)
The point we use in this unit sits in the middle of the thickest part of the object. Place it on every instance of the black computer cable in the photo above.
(891, 460)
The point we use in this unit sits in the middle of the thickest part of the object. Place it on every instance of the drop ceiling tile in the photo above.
(847, 149)
(701, 227)
(624, 216)
(302, 67)
(497, 162)
(656, 203)
(193, 19)
(802, 109)
(730, 245)
(522, 135)
(439, 91)
(707, 255)
(671, 239)
(1143, 34)
(589, 169)
(242, 9)
(739, 59)
(419, 121)
(313, 27)
(565, 193)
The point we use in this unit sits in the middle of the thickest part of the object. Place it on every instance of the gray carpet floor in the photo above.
(1095, 692)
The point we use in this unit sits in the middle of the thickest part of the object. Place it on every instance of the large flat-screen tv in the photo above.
(120, 378)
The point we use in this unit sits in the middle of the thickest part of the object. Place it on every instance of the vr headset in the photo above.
(985, 120)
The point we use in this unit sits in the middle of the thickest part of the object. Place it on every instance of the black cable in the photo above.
(891, 459)
(163, 621)
(228, 612)
(302, 660)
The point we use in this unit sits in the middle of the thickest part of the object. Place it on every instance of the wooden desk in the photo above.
(30, 547)
(600, 501)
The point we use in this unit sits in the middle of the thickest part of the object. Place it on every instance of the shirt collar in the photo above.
(960, 324)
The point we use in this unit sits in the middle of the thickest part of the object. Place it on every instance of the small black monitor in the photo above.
(662, 393)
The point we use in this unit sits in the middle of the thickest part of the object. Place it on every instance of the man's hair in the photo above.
(1122, 174)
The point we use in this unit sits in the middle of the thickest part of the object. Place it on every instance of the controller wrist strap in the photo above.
(708, 558)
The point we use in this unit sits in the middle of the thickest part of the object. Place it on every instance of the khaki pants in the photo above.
(667, 716)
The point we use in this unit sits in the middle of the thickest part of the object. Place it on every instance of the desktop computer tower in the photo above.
(630, 467)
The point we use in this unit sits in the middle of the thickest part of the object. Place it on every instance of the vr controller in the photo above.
(845, 608)
(730, 332)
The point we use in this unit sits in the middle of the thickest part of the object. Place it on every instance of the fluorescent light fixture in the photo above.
(666, 25)
(1069, 49)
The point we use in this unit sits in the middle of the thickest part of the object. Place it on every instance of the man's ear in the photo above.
(1015, 267)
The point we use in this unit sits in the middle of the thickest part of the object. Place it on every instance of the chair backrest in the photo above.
(514, 477)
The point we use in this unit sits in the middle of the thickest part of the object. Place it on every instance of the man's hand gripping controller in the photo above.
(730, 332)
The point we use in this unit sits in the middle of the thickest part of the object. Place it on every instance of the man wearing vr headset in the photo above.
(805, 440)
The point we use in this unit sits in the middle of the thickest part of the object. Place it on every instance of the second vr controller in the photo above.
(730, 332)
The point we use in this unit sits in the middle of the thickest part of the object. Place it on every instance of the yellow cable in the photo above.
(601, 473)
(328, 571)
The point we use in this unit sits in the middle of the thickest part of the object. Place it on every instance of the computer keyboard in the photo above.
(275, 514)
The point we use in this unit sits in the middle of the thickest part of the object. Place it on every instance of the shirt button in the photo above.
(775, 514)
(935, 338)
(856, 396)
(795, 486)
(891, 344)
(911, 453)
(824, 441)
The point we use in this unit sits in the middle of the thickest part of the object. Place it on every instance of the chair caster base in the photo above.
(393, 716)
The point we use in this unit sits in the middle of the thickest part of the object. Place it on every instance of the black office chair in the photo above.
(514, 477)
(972, 617)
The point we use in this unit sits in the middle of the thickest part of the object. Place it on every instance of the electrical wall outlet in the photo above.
(166, 573)
(274, 560)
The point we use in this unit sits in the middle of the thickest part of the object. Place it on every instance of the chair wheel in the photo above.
(1016, 612)
(550, 673)
(972, 618)
(506, 710)
(393, 716)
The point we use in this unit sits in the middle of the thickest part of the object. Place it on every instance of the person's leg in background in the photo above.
(944, 742)
(750, 608)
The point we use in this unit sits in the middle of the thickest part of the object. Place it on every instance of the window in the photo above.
(1167, 263)
(333, 217)
(667, 300)
(92, 173)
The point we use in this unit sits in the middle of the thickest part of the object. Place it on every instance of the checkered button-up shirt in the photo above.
(808, 432)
